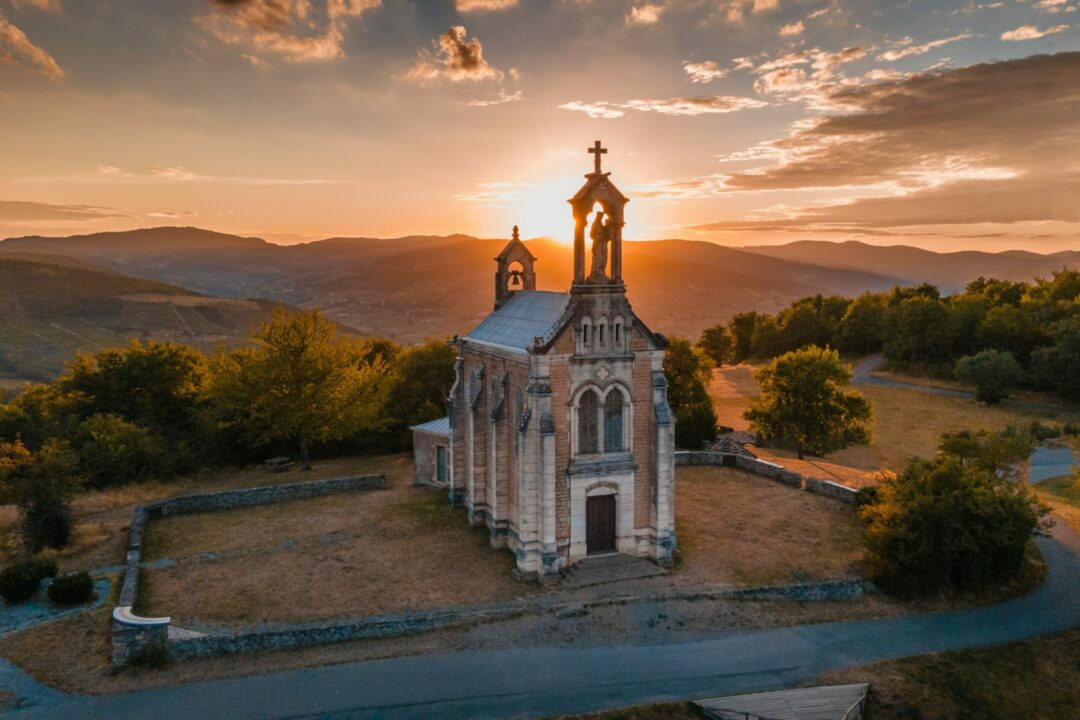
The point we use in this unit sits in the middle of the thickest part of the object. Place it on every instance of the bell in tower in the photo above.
(514, 270)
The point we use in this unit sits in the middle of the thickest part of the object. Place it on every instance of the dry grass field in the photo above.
(741, 529)
(350, 554)
(906, 422)
(1063, 495)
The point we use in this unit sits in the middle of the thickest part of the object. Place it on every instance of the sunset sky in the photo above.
(947, 125)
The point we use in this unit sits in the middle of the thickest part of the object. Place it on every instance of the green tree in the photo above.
(717, 344)
(741, 330)
(919, 329)
(1057, 367)
(41, 485)
(688, 373)
(302, 383)
(805, 402)
(862, 329)
(113, 451)
(423, 375)
(993, 373)
(948, 524)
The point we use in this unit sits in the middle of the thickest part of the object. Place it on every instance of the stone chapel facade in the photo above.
(560, 438)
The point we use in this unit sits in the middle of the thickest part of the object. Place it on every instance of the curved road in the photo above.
(547, 681)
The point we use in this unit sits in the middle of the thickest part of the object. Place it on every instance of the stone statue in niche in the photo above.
(601, 234)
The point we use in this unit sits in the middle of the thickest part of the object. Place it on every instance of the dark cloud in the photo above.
(456, 58)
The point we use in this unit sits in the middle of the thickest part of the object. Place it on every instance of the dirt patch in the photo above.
(742, 529)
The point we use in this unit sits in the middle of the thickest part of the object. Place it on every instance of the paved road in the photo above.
(1050, 462)
(543, 682)
(862, 373)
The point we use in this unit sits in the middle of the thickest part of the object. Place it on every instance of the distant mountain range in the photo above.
(421, 286)
(950, 271)
(53, 306)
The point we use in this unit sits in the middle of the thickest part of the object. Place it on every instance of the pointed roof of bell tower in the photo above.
(515, 246)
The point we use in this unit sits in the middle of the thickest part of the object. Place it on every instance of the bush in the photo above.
(867, 496)
(74, 589)
(46, 566)
(47, 522)
(113, 451)
(1042, 431)
(695, 425)
(949, 525)
(19, 581)
(992, 372)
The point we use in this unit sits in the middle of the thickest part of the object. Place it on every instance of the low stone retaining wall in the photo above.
(130, 633)
(288, 637)
(767, 469)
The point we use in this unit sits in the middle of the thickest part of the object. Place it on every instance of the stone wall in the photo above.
(425, 458)
(129, 638)
(767, 469)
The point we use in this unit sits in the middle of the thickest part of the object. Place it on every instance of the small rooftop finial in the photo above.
(516, 237)
(596, 151)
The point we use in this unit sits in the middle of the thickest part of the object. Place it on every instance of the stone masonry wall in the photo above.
(770, 470)
(130, 639)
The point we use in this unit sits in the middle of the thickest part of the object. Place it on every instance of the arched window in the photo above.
(613, 422)
(617, 333)
(589, 423)
(600, 332)
(586, 339)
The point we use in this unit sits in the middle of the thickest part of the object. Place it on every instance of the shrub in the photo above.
(1043, 431)
(992, 372)
(47, 522)
(866, 496)
(949, 524)
(695, 425)
(73, 589)
(19, 581)
(113, 451)
(46, 567)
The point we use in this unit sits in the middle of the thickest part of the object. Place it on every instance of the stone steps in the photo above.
(604, 569)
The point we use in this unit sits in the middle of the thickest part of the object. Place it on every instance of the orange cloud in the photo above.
(465, 6)
(15, 45)
(296, 30)
(1030, 32)
(456, 59)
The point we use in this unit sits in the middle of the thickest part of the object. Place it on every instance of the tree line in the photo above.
(154, 410)
(997, 334)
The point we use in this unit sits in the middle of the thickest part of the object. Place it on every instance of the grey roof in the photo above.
(438, 427)
(820, 703)
(528, 314)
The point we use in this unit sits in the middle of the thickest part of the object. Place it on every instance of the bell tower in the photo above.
(600, 199)
(514, 270)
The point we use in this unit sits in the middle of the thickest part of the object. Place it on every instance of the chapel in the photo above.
(559, 438)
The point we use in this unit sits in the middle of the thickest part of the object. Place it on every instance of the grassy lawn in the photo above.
(907, 422)
(1032, 679)
(351, 554)
(1063, 495)
(742, 529)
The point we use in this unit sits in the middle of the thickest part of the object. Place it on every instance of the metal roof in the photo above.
(528, 314)
(438, 427)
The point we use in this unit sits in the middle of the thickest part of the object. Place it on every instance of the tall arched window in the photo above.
(589, 423)
(613, 422)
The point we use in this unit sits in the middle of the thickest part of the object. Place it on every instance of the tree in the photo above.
(949, 524)
(717, 344)
(992, 372)
(741, 330)
(919, 329)
(687, 372)
(423, 376)
(302, 383)
(113, 451)
(41, 485)
(805, 403)
(863, 328)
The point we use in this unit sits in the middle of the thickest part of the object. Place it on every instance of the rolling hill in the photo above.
(51, 308)
(414, 287)
(950, 271)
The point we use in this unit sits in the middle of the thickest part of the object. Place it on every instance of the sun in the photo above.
(539, 209)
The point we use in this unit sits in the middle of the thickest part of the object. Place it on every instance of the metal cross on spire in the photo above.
(596, 151)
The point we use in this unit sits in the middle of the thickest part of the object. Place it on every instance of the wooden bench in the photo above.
(278, 464)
